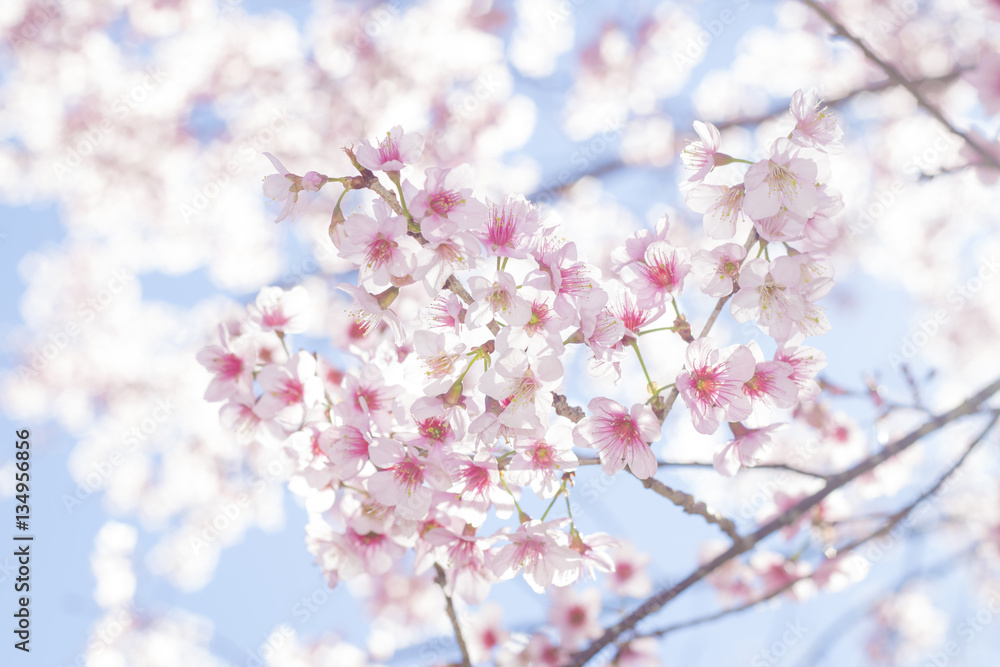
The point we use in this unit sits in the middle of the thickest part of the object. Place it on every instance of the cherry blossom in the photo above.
(395, 151)
(622, 436)
(783, 182)
(712, 383)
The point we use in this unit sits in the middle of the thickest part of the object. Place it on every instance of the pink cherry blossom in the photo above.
(289, 389)
(815, 125)
(770, 387)
(742, 450)
(722, 207)
(484, 632)
(403, 473)
(370, 310)
(395, 151)
(285, 186)
(278, 310)
(629, 578)
(771, 293)
(704, 155)
(233, 364)
(507, 227)
(477, 483)
(621, 435)
(659, 275)
(540, 551)
(806, 363)
(574, 615)
(497, 298)
(380, 247)
(717, 269)
(711, 383)
(446, 204)
(781, 182)
(540, 463)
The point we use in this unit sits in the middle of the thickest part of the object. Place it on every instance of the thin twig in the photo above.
(691, 505)
(655, 602)
(896, 76)
(441, 580)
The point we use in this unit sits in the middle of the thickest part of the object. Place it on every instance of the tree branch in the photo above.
(691, 505)
(896, 76)
(662, 597)
(441, 580)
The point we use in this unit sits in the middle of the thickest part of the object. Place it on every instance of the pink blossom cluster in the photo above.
(464, 312)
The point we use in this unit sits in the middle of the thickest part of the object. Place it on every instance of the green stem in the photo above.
(673, 302)
(648, 331)
(562, 487)
(520, 512)
(649, 380)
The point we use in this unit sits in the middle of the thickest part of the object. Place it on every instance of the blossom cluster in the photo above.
(464, 313)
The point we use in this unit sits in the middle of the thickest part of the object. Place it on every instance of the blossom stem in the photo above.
(649, 331)
(736, 159)
(520, 512)
(649, 380)
(562, 488)
(673, 302)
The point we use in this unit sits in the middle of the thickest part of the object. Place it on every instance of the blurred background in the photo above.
(132, 135)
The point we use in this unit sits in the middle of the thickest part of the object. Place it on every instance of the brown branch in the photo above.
(662, 597)
(887, 527)
(896, 76)
(571, 412)
(691, 505)
(441, 580)
(834, 102)
(761, 466)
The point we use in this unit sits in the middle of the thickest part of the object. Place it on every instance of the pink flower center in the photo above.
(624, 571)
(621, 428)
(388, 150)
(409, 474)
(541, 457)
(476, 479)
(444, 202)
(291, 391)
(274, 319)
(528, 552)
(379, 251)
(707, 385)
(661, 273)
(230, 366)
(434, 428)
(501, 228)
(577, 615)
